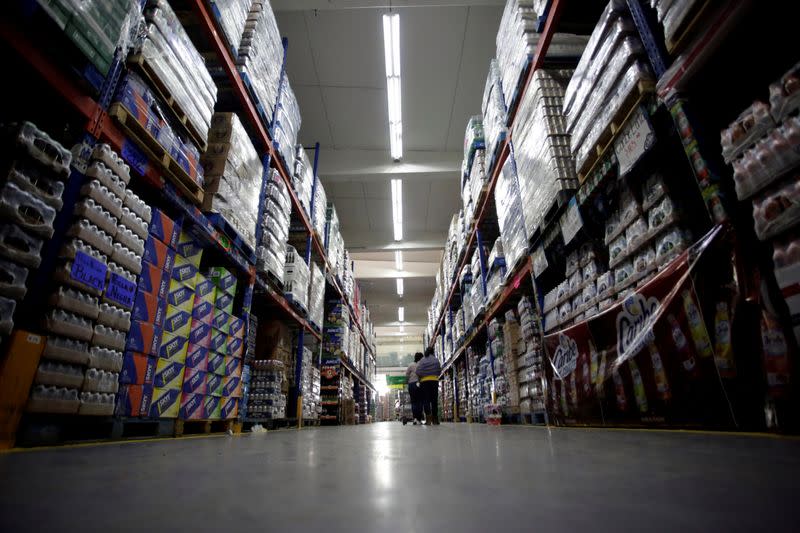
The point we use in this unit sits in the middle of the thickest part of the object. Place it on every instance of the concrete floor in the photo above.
(386, 477)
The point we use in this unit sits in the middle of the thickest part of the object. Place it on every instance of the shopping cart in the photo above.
(406, 415)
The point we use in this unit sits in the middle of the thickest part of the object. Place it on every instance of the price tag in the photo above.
(571, 222)
(89, 271)
(121, 291)
(540, 263)
(634, 140)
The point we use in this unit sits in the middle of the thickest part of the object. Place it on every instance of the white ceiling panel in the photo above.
(352, 212)
(379, 188)
(357, 117)
(443, 203)
(415, 204)
(299, 59)
(380, 216)
(314, 127)
(343, 189)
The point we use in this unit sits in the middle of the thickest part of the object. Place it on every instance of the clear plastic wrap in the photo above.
(103, 197)
(287, 122)
(91, 211)
(59, 375)
(97, 403)
(784, 94)
(89, 233)
(494, 110)
(768, 160)
(509, 213)
(12, 282)
(296, 277)
(7, 308)
(316, 296)
(19, 246)
(261, 54)
(303, 178)
(27, 211)
(66, 349)
(60, 322)
(97, 380)
(232, 18)
(50, 399)
(39, 185)
(41, 148)
(76, 302)
(99, 171)
(743, 132)
(138, 206)
(105, 359)
(104, 154)
(777, 210)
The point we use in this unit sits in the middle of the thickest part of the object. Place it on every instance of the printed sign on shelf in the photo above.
(121, 291)
(540, 263)
(89, 271)
(571, 222)
(634, 140)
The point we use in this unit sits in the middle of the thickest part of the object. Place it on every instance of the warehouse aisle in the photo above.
(386, 477)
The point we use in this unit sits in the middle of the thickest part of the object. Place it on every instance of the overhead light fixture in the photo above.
(399, 286)
(397, 208)
(398, 260)
(401, 314)
(391, 49)
(402, 330)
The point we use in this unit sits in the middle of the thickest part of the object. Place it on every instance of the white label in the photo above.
(571, 222)
(633, 141)
(34, 339)
(539, 261)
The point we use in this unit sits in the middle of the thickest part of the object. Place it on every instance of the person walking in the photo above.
(414, 391)
(428, 370)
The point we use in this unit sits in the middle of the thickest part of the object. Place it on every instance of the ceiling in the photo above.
(335, 63)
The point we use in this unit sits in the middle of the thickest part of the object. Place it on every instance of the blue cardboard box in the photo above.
(137, 369)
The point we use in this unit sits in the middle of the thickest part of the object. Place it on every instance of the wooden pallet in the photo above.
(51, 429)
(205, 427)
(606, 140)
(157, 153)
(140, 63)
(689, 24)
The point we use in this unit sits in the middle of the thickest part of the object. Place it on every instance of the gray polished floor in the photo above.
(386, 477)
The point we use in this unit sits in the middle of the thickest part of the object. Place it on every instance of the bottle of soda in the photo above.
(697, 327)
(662, 384)
(685, 356)
(638, 386)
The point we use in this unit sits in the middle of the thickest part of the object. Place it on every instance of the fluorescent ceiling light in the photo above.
(399, 286)
(401, 314)
(391, 50)
(398, 260)
(397, 208)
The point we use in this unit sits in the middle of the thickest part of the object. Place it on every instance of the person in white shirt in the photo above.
(414, 390)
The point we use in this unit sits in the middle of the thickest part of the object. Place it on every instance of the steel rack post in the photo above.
(653, 46)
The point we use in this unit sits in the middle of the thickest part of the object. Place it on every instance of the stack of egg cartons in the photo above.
(296, 278)
(260, 56)
(303, 179)
(494, 112)
(97, 280)
(610, 69)
(509, 213)
(541, 146)
(233, 175)
(271, 254)
(316, 296)
(287, 122)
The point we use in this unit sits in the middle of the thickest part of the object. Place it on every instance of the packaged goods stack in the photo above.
(316, 296)
(233, 175)
(134, 100)
(361, 404)
(287, 123)
(509, 214)
(763, 145)
(334, 350)
(506, 390)
(467, 311)
(545, 166)
(296, 278)
(260, 57)
(514, 346)
(461, 383)
(271, 255)
(478, 179)
(320, 207)
(530, 367)
(232, 19)
(496, 266)
(303, 178)
(612, 67)
(311, 386)
(334, 244)
(494, 114)
(265, 399)
(446, 397)
(96, 27)
(346, 400)
(474, 148)
(672, 15)
(165, 51)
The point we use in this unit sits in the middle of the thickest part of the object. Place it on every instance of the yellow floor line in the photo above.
(113, 442)
(756, 434)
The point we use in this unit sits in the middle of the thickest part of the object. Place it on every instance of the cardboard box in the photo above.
(169, 374)
(216, 363)
(214, 385)
(211, 407)
(143, 337)
(137, 369)
(231, 386)
(17, 370)
(164, 228)
(229, 408)
(192, 407)
(153, 280)
(204, 289)
(133, 400)
(236, 327)
(200, 334)
(223, 279)
(221, 321)
(166, 403)
(189, 248)
(219, 341)
(148, 308)
(197, 357)
(234, 347)
(203, 311)
(158, 254)
(179, 295)
(233, 366)
(194, 381)
(178, 321)
(224, 302)
(184, 271)
(173, 347)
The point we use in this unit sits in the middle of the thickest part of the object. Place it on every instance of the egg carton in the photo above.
(89, 233)
(114, 268)
(96, 404)
(103, 153)
(44, 188)
(75, 301)
(66, 349)
(103, 196)
(114, 317)
(126, 258)
(105, 359)
(136, 205)
(60, 322)
(48, 399)
(59, 375)
(7, 308)
(98, 171)
(27, 211)
(90, 210)
(107, 337)
(97, 380)
(130, 240)
(12, 283)
(134, 222)
(19, 246)
(42, 148)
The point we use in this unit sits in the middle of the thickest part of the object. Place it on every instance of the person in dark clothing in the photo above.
(414, 391)
(428, 370)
